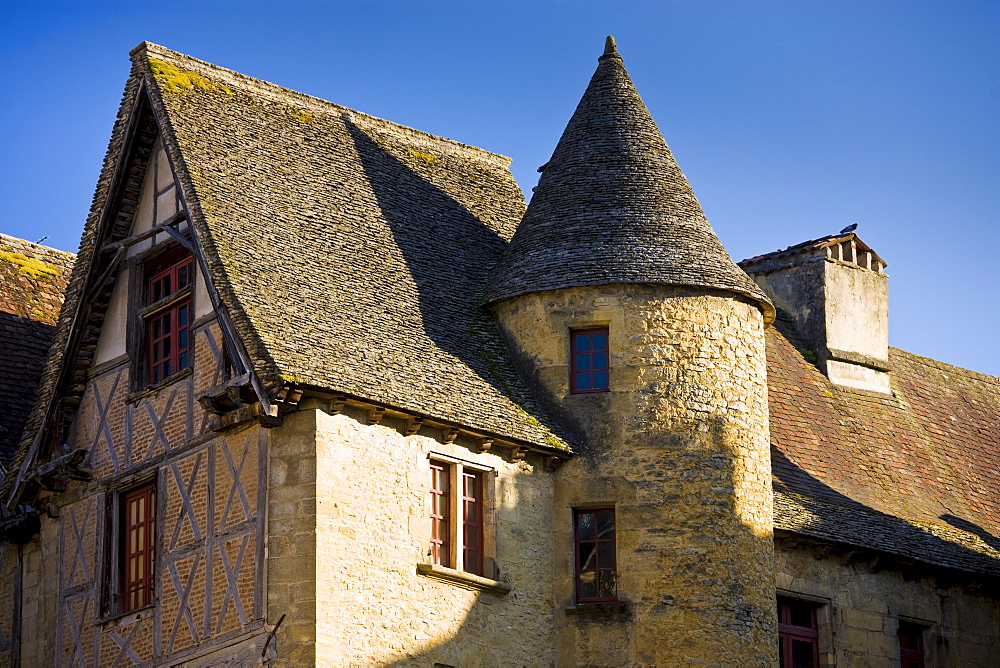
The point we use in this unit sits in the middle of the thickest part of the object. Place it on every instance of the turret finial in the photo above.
(610, 50)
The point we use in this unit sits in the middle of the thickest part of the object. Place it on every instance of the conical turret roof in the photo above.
(612, 206)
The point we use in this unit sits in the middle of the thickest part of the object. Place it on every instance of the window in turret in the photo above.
(596, 566)
(589, 360)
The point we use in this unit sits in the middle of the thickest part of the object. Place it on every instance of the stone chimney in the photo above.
(836, 290)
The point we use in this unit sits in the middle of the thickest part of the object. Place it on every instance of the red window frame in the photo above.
(595, 558)
(167, 328)
(911, 645)
(589, 360)
(440, 513)
(472, 521)
(448, 541)
(791, 632)
(137, 548)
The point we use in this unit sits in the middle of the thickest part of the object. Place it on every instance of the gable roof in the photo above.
(350, 253)
(613, 206)
(914, 473)
(32, 282)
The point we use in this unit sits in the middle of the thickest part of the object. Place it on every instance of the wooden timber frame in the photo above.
(103, 264)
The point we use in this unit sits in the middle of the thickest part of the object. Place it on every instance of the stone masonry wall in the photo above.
(679, 447)
(860, 609)
(348, 531)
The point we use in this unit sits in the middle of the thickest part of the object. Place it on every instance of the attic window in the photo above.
(167, 315)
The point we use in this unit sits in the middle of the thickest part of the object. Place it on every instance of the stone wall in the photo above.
(349, 528)
(679, 447)
(861, 603)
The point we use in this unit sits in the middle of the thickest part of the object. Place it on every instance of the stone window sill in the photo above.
(463, 579)
(613, 608)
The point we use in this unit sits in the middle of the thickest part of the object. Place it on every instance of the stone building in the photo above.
(324, 392)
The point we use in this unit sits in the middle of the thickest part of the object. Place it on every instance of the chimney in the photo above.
(836, 290)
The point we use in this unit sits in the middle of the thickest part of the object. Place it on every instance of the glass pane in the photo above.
(182, 315)
(182, 276)
(156, 328)
(600, 360)
(583, 362)
(182, 339)
(802, 654)
(582, 342)
(583, 381)
(472, 538)
(606, 588)
(587, 552)
(606, 555)
(182, 360)
(606, 524)
(801, 614)
(585, 526)
(600, 341)
(601, 380)
(587, 585)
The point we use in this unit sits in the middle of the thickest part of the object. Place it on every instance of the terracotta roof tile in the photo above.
(887, 469)
(32, 281)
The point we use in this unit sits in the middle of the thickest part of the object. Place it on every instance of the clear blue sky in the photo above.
(791, 119)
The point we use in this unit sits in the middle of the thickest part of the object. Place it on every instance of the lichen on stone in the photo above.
(303, 116)
(30, 266)
(426, 158)
(179, 81)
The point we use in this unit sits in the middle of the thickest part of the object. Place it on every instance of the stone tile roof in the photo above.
(612, 206)
(352, 252)
(914, 473)
(32, 281)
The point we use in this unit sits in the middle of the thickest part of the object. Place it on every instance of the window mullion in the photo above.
(458, 508)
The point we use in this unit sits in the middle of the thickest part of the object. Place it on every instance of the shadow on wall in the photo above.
(833, 516)
(449, 253)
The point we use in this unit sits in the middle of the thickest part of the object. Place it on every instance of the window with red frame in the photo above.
(137, 548)
(168, 298)
(596, 568)
(798, 634)
(466, 531)
(911, 645)
(589, 360)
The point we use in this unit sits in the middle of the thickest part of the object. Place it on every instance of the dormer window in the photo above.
(167, 315)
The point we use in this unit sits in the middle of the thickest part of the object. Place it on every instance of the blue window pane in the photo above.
(583, 381)
(583, 362)
(600, 341)
(182, 315)
(600, 360)
(182, 339)
(182, 361)
(582, 342)
(601, 380)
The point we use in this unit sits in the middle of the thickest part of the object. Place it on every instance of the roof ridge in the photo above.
(288, 95)
(930, 361)
(17, 240)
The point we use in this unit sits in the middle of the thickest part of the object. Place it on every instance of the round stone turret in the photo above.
(641, 334)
